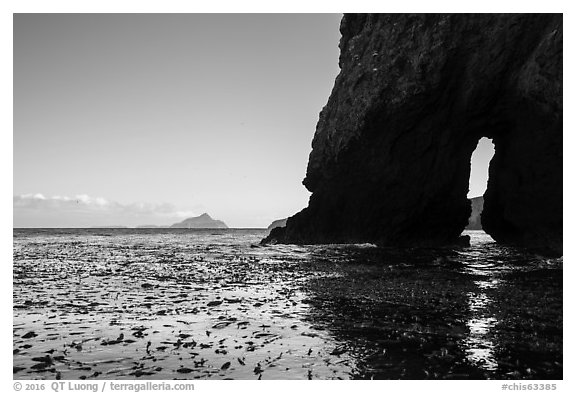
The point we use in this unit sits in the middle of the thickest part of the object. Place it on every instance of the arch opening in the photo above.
(479, 164)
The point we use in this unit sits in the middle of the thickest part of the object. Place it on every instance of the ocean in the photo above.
(214, 304)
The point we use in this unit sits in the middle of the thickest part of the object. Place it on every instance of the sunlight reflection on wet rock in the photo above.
(479, 346)
(478, 343)
(178, 304)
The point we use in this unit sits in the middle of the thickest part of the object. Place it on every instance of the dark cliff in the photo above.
(390, 159)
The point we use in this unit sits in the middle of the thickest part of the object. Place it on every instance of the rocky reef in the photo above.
(390, 160)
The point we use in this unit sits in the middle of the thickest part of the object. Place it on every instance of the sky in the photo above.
(204, 112)
(134, 119)
(479, 167)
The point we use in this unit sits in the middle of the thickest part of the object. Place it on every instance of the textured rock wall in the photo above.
(390, 160)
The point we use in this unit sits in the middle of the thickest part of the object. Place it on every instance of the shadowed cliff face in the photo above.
(391, 155)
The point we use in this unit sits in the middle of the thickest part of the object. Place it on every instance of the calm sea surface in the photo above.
(186, 304)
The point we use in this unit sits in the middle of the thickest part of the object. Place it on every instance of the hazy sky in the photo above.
(479, 170)
(206, 112)
(147, 119)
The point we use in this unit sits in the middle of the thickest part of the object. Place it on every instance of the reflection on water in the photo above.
(478, 343)
(163, 304)
(479, 347)
(485, 311)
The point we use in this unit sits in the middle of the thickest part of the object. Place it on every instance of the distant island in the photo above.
(277, 223)
(477, 206)
(202, 221)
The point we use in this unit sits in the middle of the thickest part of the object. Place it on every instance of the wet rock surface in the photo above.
(180, 304)
(390, 162)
